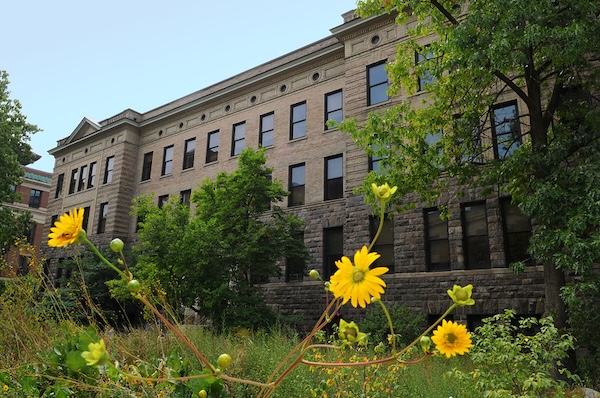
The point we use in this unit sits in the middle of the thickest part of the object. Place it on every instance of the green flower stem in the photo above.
(381, 218)
(104, 260)
(430, 328)
(302, 346)
(365, 363)
(188, 378)
(177, 333)
(390, 324)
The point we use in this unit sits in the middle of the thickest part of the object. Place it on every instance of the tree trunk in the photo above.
(554, 306)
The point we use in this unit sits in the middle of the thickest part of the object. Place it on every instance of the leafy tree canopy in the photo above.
(14, 152)
(210, 257)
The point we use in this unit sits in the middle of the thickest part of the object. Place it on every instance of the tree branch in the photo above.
(522, 94)
(445, 12)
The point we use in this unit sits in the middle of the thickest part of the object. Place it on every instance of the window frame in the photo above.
(235, 140)
(430, 241)
(109, 166)
(298, 187)
(35, 198)
(102, 218)
(376, 85)
(189, 153)
(264, 132)
(328, 111)
(298, 122)
(185, 197)
(162, 200)
(519, 235)
(167, 163)
(73, 180)
(91, 182)
(423, 57)
(60, 181)
(212, 149)
(515, 134)
(83, 171)
(331, 255)
(475, 240)
(331, 183)
(383, 249)
(147, 166)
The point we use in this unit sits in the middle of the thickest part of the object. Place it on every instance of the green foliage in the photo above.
(93, 295)
(408, 324)
(212, 258)
(583, 299)
(515, 358)
(436, 146)
(14, 151)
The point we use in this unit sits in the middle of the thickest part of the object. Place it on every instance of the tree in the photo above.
(14, 152)
(544, 53)
(211, 259)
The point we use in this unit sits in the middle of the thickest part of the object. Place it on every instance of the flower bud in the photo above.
(133, 286)
(202, 394)
(425, 343)
(462, 295)
(224, 361)
(314, 274)
(383, 193)
(116, 245)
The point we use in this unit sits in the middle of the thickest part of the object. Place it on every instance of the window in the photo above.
(82, 178)
(53, 220)
(108, 170)
(185, 197)
(334, 177)
(267, 124)
(92, 175)
(333, 107)
(59, 185)
(167, 165)
(437, 245)
(102, 217)
(238, 138)
(294, 268)
(385, 242)
(506, 130)
(86, 218)
(147, 166)
(517, 231)
(298, 121)
(297, 181)
(425, 77)
(375, 160)
(476, 243)
(377, 83)
(189, 153)
(333, 249)
(35, 198)
(162, 200)
(73, 182)
(212, 152)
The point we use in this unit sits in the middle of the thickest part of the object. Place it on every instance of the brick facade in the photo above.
(307, 75)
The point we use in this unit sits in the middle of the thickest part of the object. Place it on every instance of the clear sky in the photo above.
(70, 59)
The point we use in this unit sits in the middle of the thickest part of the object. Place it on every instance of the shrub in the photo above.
(408, 324)
(513, 361)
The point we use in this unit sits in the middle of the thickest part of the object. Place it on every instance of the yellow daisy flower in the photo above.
(67, 229)
(358, 283)
(96, 355)
(383, 193)
(451, 338)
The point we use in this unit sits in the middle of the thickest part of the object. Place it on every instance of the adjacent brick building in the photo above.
(34, 190)
(283, 105)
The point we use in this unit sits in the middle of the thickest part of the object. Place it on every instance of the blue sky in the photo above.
(70, 59)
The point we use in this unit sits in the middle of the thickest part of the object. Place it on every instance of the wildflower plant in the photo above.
(355, 282)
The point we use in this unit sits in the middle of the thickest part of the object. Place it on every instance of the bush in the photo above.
(408, 324)
(513, 361)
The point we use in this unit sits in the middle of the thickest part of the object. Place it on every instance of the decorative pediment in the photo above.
(86, 127)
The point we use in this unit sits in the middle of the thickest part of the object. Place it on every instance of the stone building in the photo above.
(283, 105)
(34, 190)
